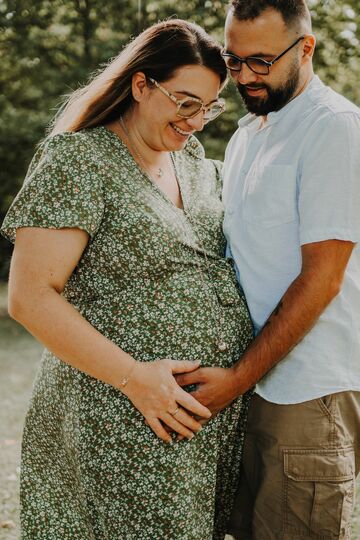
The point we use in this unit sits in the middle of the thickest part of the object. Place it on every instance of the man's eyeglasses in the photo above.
(255, 64)
(189, 107)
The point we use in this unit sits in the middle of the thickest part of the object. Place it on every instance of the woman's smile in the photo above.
(181, 133)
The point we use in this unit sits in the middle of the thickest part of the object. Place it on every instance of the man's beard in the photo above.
(276, 97)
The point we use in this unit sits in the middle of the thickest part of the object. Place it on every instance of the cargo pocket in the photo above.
(318, 493)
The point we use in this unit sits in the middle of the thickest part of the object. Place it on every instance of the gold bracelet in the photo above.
(126, 379)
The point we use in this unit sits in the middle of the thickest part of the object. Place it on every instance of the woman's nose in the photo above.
(197, 122)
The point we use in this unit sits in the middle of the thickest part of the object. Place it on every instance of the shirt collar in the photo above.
(247, 119)
(275, 116)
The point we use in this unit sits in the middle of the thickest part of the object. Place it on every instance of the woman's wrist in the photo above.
(124, 381)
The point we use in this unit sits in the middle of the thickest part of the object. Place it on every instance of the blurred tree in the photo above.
(48, 48)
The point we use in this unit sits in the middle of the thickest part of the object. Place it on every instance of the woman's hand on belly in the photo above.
(153, 390)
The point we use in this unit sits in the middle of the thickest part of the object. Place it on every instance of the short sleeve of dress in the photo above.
(62, 188)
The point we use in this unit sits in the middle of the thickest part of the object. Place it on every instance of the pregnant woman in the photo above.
(119, 270)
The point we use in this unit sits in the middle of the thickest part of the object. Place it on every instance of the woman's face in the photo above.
(161, 128)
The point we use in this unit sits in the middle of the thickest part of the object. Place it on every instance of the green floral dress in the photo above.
(91, 467)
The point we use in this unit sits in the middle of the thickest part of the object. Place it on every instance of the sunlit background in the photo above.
(49, 47)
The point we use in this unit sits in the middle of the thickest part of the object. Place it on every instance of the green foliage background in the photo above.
(49, 47)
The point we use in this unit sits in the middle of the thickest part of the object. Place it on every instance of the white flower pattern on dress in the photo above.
(91, 468)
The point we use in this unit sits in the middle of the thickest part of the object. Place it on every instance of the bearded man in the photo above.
(292, 221)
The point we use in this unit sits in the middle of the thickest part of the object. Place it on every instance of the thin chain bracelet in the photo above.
(126, 379)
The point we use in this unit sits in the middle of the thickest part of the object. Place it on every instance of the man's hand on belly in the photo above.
(215, 387)
(323, 267)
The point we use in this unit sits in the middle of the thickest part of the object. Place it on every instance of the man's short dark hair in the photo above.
(294, 12)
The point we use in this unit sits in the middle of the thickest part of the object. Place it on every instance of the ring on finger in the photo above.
(173, 413)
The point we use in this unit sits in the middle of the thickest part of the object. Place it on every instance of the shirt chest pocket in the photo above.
(270, 197)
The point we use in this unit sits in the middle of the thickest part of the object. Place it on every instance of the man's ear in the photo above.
(308, 47)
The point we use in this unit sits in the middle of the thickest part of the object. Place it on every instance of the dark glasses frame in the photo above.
(267, 65)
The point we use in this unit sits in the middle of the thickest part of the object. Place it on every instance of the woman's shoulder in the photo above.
(63, 188)
(71, 145)
(61, 157)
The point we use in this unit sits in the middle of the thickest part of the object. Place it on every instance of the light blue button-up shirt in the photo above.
(294, 181)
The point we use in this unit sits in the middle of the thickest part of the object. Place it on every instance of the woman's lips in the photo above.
(183, 135)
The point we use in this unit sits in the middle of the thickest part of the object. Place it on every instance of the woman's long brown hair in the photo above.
(157, 52)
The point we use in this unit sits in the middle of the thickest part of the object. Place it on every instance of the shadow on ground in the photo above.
(19, 357)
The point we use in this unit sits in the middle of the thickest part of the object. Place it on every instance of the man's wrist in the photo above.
(237, 383)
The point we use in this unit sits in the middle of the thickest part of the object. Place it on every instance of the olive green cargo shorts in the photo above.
(299, 468)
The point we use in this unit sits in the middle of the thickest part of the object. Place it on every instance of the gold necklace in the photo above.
(221, 345)
(160, 171)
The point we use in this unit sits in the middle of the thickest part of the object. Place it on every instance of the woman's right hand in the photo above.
(153, 390)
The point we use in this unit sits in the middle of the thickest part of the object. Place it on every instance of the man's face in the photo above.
(265, 37)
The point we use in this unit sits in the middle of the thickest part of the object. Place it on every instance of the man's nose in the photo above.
(245, 75)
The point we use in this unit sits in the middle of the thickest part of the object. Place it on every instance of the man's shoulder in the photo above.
(327, 103)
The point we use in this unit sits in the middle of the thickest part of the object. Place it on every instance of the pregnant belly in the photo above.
(181, 323)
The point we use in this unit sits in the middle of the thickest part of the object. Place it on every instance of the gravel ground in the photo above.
(19, 356)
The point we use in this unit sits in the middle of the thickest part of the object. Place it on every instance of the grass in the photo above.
(19, 357)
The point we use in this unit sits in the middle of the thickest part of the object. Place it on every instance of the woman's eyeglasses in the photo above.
(189, 107)
(255, 64)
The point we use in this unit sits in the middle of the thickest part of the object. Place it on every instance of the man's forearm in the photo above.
(323, 267)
